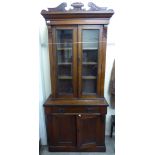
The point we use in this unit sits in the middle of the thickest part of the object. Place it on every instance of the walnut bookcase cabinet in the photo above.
(76, 110)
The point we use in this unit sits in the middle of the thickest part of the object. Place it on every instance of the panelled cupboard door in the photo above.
(90, 132)
(90, 51)
(61, 131)
(65, 61)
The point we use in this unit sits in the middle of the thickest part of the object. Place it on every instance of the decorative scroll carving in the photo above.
(94, 7)
(77, 6)
(61, 7)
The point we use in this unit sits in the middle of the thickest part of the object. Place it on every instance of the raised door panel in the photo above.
(61, 131)
(89, 54)
(90, 132)
(65, 63)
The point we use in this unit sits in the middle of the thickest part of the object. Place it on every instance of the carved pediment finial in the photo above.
(94, 7)
(77, 6)
(61, 7)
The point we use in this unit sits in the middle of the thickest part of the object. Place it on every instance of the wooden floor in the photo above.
(110, 146)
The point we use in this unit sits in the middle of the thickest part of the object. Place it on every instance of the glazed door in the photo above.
(89, 56)
(90, 131)
(65, 49)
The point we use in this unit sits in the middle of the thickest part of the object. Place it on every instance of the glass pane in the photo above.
(65, 86)
(89, 86)
(89, 70)
(90, 55)
(90, 46)
(64, 47)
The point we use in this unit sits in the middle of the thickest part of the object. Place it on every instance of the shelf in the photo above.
(89, 63)
(65, 48)
(65, 77)
(89, 77)
(89, 49)
(86, 93)
(64, 63)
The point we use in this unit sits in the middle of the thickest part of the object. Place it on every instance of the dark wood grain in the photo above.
(62, 130)
(76, 109)
(51, 56)
(76, 101)
(76, 128)
(84, 21)
(90, 129)
(77, 6)
(94, 7)
(103, 58)
(61, 7)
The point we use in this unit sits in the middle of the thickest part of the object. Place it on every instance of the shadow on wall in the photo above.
(112, 87)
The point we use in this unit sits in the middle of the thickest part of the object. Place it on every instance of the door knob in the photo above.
(79, 115)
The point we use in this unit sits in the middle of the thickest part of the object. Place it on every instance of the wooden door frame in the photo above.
(84, 117)
(100, 59)
(51, 119)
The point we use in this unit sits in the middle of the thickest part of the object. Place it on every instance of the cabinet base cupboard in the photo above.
(76, 110)
(76, 125)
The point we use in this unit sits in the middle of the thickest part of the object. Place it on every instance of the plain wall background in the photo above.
(45, 89)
